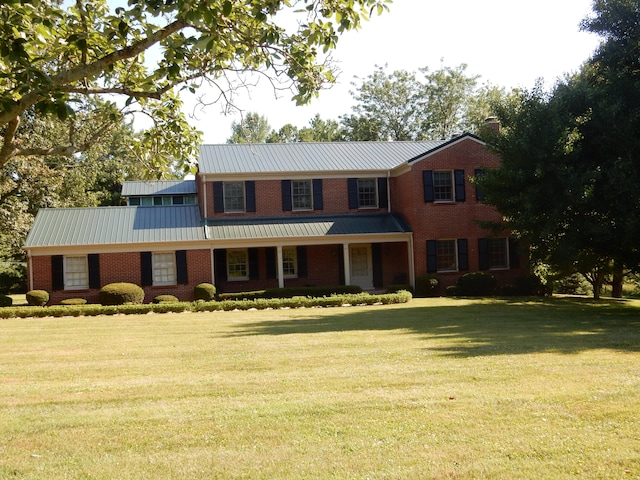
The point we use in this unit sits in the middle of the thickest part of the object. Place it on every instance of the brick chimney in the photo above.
(492, 124)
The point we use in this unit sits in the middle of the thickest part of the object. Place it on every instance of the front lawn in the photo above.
(431, 389)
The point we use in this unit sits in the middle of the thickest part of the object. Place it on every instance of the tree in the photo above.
(252, 128)
(55, 54)
(319, 130)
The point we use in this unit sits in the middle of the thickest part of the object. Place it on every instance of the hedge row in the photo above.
(201, 306)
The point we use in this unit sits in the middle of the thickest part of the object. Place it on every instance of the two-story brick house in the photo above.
(266, 215)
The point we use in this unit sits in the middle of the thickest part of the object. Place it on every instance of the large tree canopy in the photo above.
(55, 54)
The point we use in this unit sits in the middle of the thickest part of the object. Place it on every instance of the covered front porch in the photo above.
(372, 251)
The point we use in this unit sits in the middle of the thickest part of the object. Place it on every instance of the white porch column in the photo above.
(412, 269)
(347, 264)
(280, 266)
(213, 267)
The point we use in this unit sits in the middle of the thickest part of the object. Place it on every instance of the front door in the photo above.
(361, 266)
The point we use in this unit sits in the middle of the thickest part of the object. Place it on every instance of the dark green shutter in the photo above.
(271, 255)
(352, 191)
(318, 203)
(376, 258)
(459, 177)
(181, 267)
(254, 269)
(383, 197)
(301, 254)
(463, 254)
(432, 256)
(514, 253)
(286, 196)
(57, 272)
(479, 194)
(93, 260)
(341, 273)
(250, 192)
(146, 269)
(483, 253)
(220, 260)
(218, 197)
(427, 184)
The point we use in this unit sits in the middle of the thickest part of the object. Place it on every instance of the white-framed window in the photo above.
(498, 253)
(443, 186)
(290, 262)
(76, 272)
(367, 193)
(301, 195)
(446, 255)
(234, 198)
(237, 264)
(163, 265)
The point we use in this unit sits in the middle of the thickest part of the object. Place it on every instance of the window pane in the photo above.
(157, 200)
(301, 198)
(289, 261)
(190, 200)
(367, 193)
(237, 268)
(178, 200)
(234, 197)
(146, 201)
(76, 272)
(134, 201)
(164, 268)
(443, 186)
(446, 255)
(166, 200)
(498, 257)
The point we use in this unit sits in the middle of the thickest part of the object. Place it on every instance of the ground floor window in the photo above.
(498, 251)
(76, 272)
(447, 258)
(164, 268)
(289, 262)
(237, 264)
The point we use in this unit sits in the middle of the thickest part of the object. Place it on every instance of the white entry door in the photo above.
(361, 266)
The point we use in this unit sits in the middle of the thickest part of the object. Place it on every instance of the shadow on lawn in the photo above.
(566, 325)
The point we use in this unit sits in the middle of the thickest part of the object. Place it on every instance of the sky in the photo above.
(508, 43)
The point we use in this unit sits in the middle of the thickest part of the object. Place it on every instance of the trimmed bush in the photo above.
(427, 286)
(451, 291)
(165, 299)
(73, 301)
(205, 291)
(120, 294)
(37, 298)
(400, 287)
(532, 285)
(5, 301)
(476, 284)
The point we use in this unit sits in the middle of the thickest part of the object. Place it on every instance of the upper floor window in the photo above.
(234, 197)
(164, 268)
(443, 185)
(76, 272)
(367, 193)
(301, 195)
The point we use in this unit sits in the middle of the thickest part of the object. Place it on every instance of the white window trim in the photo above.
(377, 198)
(232, 278)
(86, 271)
(153, 270)
(455, 255)
(297, 209)
(244, 198)
(453, 188)
(506, 252)
(295, 261)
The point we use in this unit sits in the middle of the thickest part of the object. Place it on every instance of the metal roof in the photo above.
(115, 225)
(159, 187)
(304, 226)
(310, 157)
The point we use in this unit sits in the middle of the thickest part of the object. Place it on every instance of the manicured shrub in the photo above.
(451, 291)
(508, 290)
(400, 287)
(5, 301)
(120, 293)
(165, 299)
(205, 291)
(476, 284)
(73, 301)
(532, 285)
(37, 298)
(427, 286)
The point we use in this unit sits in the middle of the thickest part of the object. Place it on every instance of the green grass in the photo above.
(432, 389)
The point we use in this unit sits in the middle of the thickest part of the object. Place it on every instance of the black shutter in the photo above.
(383, 198)
(483, 253)
(341, 275)
(432, 256)
(376, 257)
(250, 193)
(459, 177)
(427, 183)
(272, 260)
(301, 253)
(318, 204)
(93, 260)
(352, 187)
(218, 197)
(220, 260)
(57, 272)
(286, 196)
(514, 253)
(146, 269)
(463, 254)
(479, 194)
(254, 269)
(181, 266)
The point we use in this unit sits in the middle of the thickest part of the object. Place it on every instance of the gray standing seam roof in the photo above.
(159, 187)
(310, 157)
(115, 225)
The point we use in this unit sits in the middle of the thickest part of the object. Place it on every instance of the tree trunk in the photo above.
(616, 283)
(598, 280)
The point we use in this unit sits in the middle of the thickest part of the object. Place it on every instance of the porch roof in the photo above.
(305, 226)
